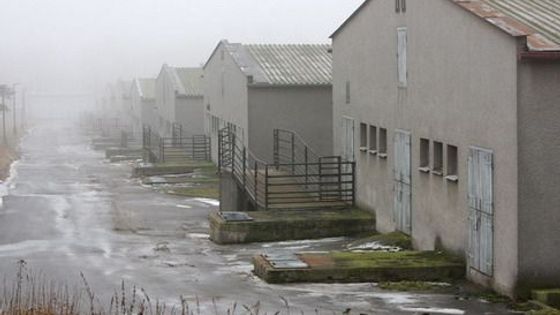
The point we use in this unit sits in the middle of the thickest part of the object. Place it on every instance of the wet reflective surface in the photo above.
(69, 211)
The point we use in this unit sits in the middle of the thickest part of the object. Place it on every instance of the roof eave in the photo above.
(270, 85)
(189, 96)
(349, 19)
(539, 55)
(223, 41)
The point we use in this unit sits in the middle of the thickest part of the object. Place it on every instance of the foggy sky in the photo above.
(65, 46)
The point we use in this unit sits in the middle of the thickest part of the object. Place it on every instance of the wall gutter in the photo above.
(539, 55)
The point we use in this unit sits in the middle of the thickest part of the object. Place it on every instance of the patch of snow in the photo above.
(374, 246)
(177, 175)
(9, 183)
(304, 242)
(395, 298)
(212, 202)
(448, 311)
(157, 179)
(198, 235)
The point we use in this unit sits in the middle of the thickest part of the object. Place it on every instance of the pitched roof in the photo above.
(284, 64)
(186, 81)
(146, 88)
(537, 20)
(191, 80)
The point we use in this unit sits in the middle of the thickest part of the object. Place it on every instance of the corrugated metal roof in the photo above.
(294, 64)
(245, 61)
(190, 80)
(146, 88)
(541, 15)
(538, 20)
(283, 64)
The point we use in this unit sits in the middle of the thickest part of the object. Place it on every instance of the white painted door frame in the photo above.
(480, 167)
(402, 208)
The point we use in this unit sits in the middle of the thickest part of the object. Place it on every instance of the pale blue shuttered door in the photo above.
(402, 212)
(348, 138)
(481, 210)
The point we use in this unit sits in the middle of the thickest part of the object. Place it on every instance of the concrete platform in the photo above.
(282, 225)
(549, 297)
(356, 267)
(112, 152)
(142, 170)
(123, 158)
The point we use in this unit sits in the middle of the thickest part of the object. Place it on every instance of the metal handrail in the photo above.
(159, 149)
(300, 139)
(320, 180)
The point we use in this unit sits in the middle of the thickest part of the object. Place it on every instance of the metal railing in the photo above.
(175, 149)
(298, 178)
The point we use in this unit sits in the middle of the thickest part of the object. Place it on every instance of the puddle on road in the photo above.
(443, 311)
(208, 201)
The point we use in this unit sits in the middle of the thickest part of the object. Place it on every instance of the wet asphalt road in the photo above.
(69, 211)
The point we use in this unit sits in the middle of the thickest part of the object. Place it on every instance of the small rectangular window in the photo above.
(397, 6)
(424, 155)
(452, 163)
(401, 56)
(372, 140)
(363, 137)
(403, 6)
(382, 148)
(437, 168)
(347, 92)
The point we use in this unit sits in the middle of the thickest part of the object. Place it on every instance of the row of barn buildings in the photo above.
(449, 108)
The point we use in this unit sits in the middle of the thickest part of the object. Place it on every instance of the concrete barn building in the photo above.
(117, 105)
(257, 88)
(179, 100)
(142, 96)
(451, 111)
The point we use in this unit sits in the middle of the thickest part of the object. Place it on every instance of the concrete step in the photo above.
(282, 225)
(355, 267)
(550, 297)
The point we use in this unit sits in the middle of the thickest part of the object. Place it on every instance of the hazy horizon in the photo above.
(77, 46)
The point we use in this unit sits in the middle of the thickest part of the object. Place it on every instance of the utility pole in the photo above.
(14, 95)
(23, 116)
(3, 90)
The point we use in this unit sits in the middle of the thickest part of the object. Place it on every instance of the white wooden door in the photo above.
(481, 210)
(348, 138)
(402, 210)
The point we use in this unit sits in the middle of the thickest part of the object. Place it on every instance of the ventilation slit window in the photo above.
(424, 155)
(382, 148)
(437, 168)
(452, 163)
(363, 137)
(372, 140)
(348, 92)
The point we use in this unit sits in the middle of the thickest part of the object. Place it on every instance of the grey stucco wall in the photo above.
(189, 112)
(148, 112)
(225, 93)
(461, 91)
(305, 110)
(539, 170)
